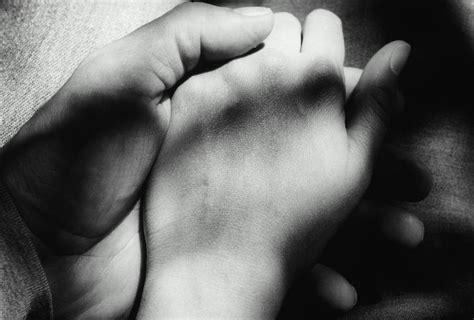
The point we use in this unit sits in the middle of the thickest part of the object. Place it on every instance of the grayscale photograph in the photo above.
(255, 159)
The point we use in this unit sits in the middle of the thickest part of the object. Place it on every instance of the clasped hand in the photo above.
(246, 169)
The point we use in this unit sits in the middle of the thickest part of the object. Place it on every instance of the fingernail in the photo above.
(418, 232)
(399, 58)
(412, 231)
(354, 302)
(253, 11)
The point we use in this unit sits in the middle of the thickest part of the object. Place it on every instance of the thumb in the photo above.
(376, 98)
(98, 136)
(193, 31)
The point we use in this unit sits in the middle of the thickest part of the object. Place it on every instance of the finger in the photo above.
(323, 38)
(399, 177)
(374, 98)
(401, 227)
(394, 224)
(286, 34)
(98, 142)
(352, 77)
(193, 31)
(332, 288)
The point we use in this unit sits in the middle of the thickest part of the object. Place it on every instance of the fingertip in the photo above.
(391, 60)
(400, 53)
(386, 65)
(323, 38)
(417, 230)
(376, 93)
(403, 228)
(261, 21)
(355, 297)
(414, 232)
(334, 289)
(324, 14)
(345, 296)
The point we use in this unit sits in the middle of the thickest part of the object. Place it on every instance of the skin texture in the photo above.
(397, 178)
(77, 168)
(324, 290)
(250, 184)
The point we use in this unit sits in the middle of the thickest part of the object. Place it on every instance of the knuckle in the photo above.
(209, 89)
(194, 88)
(325, 75)
(325, 66)
(235, 74)
(193, 92)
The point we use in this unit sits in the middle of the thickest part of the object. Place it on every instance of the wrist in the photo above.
(210, 286)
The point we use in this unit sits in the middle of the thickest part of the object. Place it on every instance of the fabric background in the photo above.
(42, 42)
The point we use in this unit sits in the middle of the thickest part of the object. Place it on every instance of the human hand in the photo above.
(397, 177)
(261, 163)
(76, 169)
(345, 270)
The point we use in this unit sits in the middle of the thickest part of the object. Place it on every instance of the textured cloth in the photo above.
(43, 42)
(24, 291)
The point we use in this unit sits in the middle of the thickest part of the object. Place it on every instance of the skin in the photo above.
(77, 168)
(250, 185)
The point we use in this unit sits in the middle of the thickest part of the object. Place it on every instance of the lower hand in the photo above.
(250, 185)
(327, 290)
(397, 177)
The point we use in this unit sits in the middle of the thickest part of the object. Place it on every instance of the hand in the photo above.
(373, 226)
(76, 169)
(261, 163)
(397, 177)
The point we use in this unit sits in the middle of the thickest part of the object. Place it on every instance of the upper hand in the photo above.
(76, 169)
